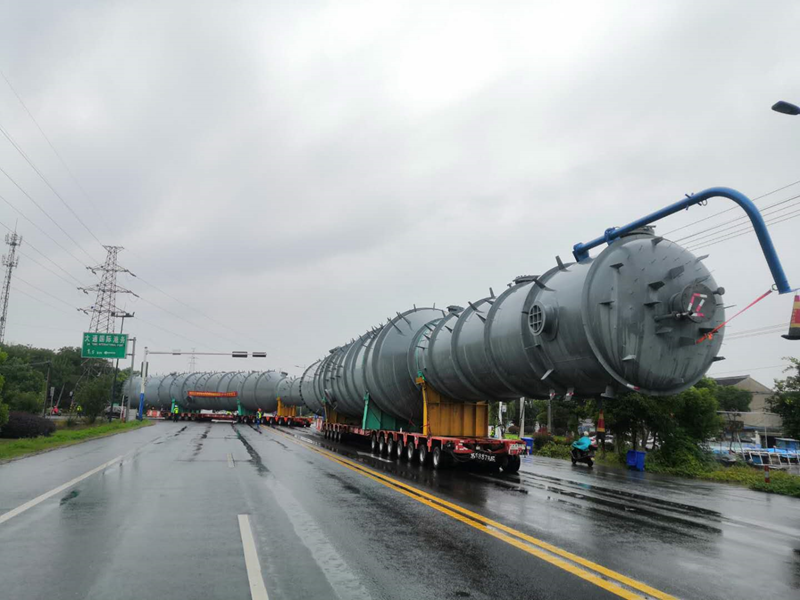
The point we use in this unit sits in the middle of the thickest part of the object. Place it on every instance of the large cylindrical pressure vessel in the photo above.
(631, 318)
(307, 392)
(164, 397)
(151, 390)
(390, 380)
(265, 391)
(293, 398)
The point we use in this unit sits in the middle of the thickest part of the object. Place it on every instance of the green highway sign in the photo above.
(104, 345)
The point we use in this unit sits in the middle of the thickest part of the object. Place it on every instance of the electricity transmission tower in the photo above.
(104, 311)
(10, 261)
(192, 361)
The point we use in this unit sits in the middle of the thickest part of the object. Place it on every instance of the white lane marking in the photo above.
(31, 503)
(258, 591)
(230, 460)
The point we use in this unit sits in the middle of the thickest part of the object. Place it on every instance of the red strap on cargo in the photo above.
(710, 334)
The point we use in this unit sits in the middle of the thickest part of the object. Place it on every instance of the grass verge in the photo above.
(64, 437)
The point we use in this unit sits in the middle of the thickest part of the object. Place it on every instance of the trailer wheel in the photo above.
(411, 451)
(382, 445)
(339, 436)
(401, 450)
(373, 443)
(390, 447)
(423, 454)
(438, 458)
(512, 464)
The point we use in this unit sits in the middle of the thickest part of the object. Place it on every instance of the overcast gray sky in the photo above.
(299, 171)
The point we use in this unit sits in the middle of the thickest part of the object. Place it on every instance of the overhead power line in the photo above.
(749, 231)
(780, 189)
(767, 210)
(47, 182)
(55, 151)
(32, 247)
(42, 231)
(45, 213)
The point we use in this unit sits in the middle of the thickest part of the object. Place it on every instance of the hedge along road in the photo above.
(168, 520)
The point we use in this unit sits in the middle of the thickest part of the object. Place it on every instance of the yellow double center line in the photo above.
(591, 572)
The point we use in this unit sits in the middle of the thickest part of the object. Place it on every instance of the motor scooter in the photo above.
(583, 455)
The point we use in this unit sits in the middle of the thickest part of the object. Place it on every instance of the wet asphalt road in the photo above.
(162, 523)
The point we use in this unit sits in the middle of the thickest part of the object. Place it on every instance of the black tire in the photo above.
(326, 434)
(424, 454)
(574, 462)
(438, 458)
(339, 436)
(382, 445)
(373, 443)
(590, 462)
(401, 450)
(411, 451)
(512, 465)
(390, 448)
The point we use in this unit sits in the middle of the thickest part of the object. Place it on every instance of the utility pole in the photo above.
(522, 417)
(192, 361)
(550, 411)
(116, 368)
(46, 389)
(10, 261)
(130, 380)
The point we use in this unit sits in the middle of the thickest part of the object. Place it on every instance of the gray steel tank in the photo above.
(629, 318)
(307, 391)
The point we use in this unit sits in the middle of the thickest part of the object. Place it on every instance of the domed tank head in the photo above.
(648, 308)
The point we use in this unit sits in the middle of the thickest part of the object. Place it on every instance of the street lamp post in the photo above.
(787, 108)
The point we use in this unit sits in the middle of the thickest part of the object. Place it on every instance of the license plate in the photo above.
(482, 456)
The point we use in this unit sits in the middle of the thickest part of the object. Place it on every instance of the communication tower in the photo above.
(10, 261)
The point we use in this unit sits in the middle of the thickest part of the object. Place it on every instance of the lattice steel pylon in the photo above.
(10, 261)
(104, 311)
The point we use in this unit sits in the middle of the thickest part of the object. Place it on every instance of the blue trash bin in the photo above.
(529, 443)
(635, 460)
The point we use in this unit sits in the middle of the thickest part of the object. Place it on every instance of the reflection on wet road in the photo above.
(330, 520)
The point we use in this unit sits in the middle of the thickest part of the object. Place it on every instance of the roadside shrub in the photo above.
(26, 425)
(541, 439)
(553, 450)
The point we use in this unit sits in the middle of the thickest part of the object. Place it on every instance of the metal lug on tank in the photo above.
(480, 316)
(717, 358)
(617, 266)
(656, 285)
(629, 358)
(491, 293)
(393, 324)
(652, 303)
(546, 375)
(541, 285)
(560, 263)
(701, 258)
(663, 330)
(450, 329)
(607, 303)
(675, 272)
(404, 318)
(473, 307)
(656, 240)
(609, 393)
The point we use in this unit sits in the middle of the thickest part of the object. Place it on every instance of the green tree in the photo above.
(729, 398)
(786, 401)
(93, 396)
(3, 407)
